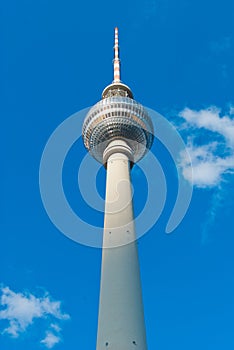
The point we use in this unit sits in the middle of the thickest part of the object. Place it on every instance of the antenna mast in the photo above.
(116, 59)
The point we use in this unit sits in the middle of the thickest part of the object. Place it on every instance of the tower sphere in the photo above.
(117, 117)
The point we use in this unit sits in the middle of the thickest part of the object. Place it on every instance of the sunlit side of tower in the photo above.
(117, 132)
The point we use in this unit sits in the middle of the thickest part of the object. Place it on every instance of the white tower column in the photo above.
(121, 318)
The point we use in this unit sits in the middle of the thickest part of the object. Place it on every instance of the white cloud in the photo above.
(50, 339)
(210, 119)
(208, 169)
(22, 309)
(212, 159)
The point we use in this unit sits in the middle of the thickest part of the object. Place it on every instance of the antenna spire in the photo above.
(117, 88)
(116, 59)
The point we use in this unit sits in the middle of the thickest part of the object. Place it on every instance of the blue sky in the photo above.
(177, 57)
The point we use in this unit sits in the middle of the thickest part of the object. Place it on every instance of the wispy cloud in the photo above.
(209, 136)
(217, 202)
(221, 46)
(22, 309)
(212, 153)
(221, 54)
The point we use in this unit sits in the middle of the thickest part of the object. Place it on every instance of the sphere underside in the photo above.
(117, 118)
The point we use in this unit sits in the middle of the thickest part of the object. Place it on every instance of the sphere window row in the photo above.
(115, 122)
(116, 102)
(119, 113)
(125, 112)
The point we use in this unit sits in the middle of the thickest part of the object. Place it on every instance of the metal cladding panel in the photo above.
(121, 317)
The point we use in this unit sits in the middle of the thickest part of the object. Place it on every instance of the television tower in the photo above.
(117, 132)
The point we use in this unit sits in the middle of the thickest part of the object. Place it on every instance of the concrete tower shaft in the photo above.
(121, 317)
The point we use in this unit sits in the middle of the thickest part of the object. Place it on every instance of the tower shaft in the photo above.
(118, 132)
(121, 318)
